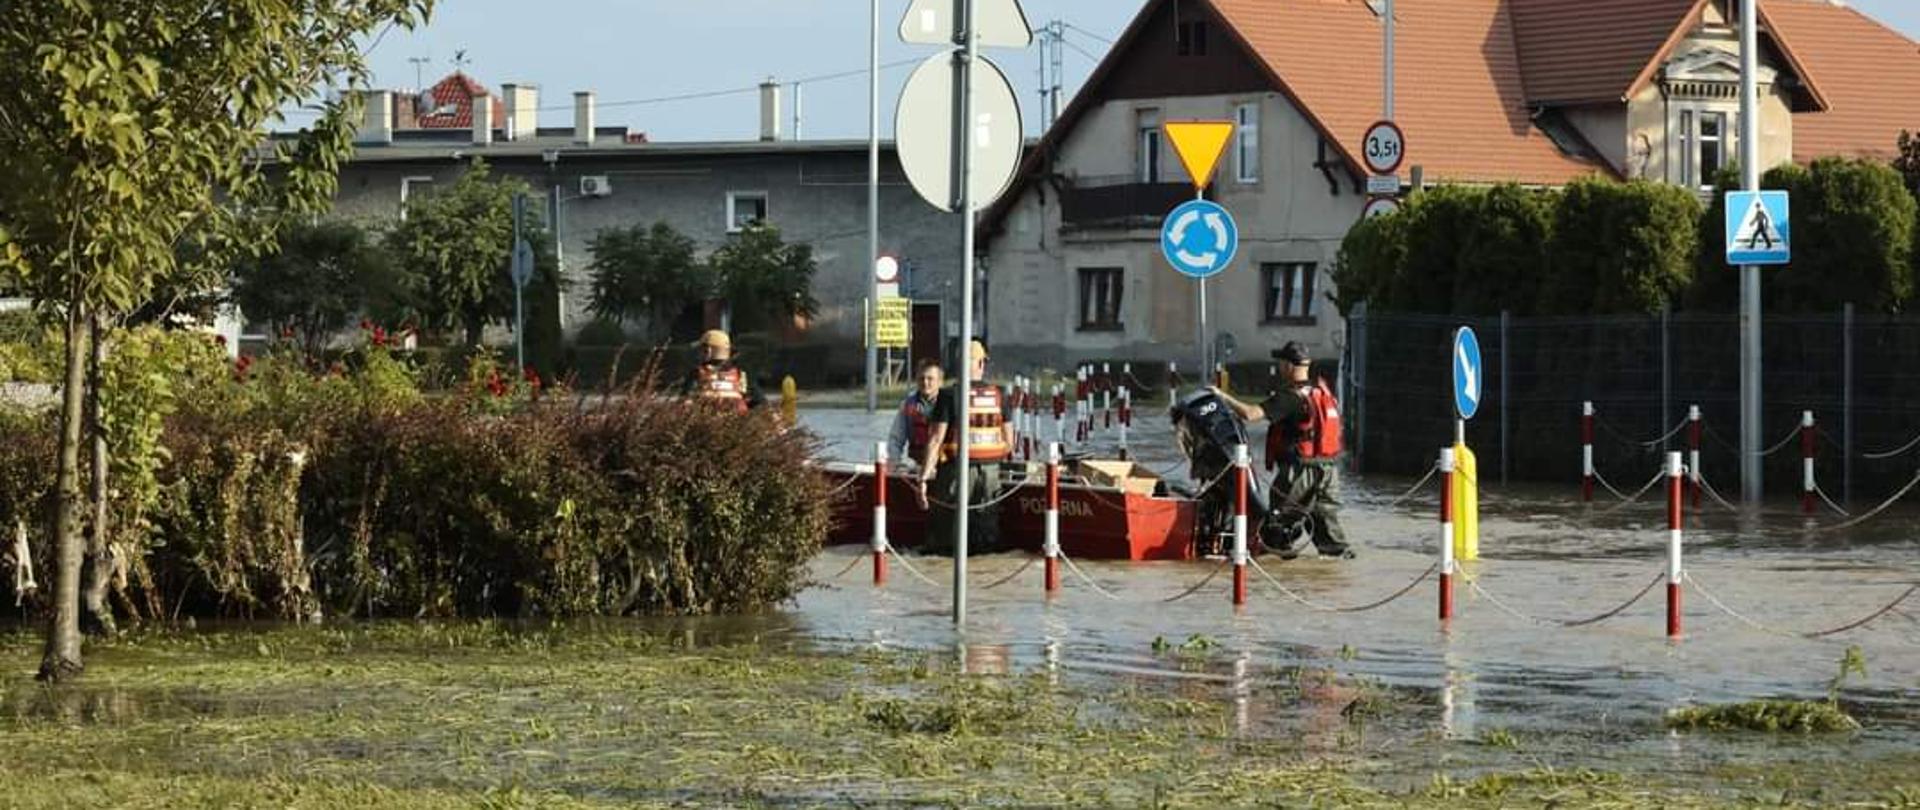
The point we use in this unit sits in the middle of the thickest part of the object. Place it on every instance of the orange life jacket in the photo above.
(1315, 437)
(984, 439)
(724, 386)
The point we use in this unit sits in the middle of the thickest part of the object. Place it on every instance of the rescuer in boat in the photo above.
(990, 436)
(1303, 449)
(717, 381)
(914, 423)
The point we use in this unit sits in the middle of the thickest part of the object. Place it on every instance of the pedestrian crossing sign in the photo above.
(1758, 231)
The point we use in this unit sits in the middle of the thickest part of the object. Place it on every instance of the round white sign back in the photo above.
(923, 128)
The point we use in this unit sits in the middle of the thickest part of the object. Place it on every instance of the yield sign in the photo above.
(996, 23)
(1199, 144)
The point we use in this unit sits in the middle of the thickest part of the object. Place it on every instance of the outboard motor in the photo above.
(1207, 431)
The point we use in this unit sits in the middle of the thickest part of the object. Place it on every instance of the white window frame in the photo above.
(1246, 144)
(1151, 148)
(733, 202)
(1719, 141)
(1294, 298)
(1689, 156)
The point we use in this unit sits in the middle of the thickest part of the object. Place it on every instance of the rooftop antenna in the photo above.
(419, 62)
(460, 59)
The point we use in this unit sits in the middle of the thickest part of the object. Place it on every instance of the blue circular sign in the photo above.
(1469, 374)
(1199, 238)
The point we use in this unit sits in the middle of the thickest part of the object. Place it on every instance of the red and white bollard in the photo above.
(1173, 382)
(879, 513)
(1241, 483)
(1674, 531)
(1446, 534)
(1059, 414)
(1806, 462)
(1106, 395)
(1126, 421)
(1694, 428)
(1050, 549)
(1586, 451)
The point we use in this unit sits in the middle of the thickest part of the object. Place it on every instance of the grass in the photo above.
(488, 714)
(1771, 716)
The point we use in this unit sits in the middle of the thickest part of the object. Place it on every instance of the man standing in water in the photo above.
(717, 381)
(1303, 449)
(914, 424)
(990, 439)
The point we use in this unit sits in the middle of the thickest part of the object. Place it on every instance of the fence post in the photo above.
(1694, 429)
(1506, 375)
(1586, 451)
(1240, 484)
(1446, 534)
(879, 513)
(1846, 403)
(1051, 548)
(1059, 414)
(1674, 530)
(1806, 462)
(1106, 394)
(1173, 382)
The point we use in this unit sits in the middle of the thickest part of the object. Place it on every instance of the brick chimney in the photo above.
(583, 118)
(769, 110)
(483, 119)
(523, 109)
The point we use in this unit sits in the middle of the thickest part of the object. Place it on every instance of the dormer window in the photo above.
(1190, 38)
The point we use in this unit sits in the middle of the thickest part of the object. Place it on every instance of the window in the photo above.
(1289, 292)
(1687, 176)
(1148, 125)
(1712, 147)
(1190, 38)
(1100, 291)
(1246, 145)
(745, 208)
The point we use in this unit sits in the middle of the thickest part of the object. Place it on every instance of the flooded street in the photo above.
(1587, 696)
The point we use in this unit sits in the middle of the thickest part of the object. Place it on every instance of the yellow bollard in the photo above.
(789, 398)
(1223, 380)
(1466, 504)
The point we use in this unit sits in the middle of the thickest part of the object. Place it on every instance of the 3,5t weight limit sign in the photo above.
(1384, 148)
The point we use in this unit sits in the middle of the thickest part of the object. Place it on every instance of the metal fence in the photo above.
(1859, 374)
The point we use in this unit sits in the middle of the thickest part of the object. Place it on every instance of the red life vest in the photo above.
(919, 427)
(1315, 437)
(985, 441)
(724, 387)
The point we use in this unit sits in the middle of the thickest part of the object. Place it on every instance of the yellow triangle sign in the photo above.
(1199, 144)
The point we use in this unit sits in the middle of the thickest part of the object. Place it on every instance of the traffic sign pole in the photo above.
(963, 182)
(873, 198)
(519, 275)
(1750, 481)
(1206, 349)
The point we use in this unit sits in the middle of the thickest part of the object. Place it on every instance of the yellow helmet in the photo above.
(716, 339)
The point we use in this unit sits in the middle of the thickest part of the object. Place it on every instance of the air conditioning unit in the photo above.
(595, 185)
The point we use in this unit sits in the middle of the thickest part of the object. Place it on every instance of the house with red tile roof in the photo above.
(1536, 92)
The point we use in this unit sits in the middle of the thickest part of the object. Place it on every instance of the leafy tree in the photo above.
(645, 274)
(1716, 285)
(1368, 264)
(133, 134)
(1853, 232)
(1908, 161)
(1503, 252)
(1620, 247)
(456, 247)
(323, 277)
(764, 278)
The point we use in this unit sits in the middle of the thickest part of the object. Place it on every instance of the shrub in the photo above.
(1620, 247)
(1853, 235)
(1368, 264)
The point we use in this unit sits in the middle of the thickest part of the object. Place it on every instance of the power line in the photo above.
(738, 90)
(1080, 50)
(1087, 33)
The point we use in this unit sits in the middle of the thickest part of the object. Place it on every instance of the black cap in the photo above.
(1293, 353)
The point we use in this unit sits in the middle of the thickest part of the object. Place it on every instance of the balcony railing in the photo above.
(1123, 201)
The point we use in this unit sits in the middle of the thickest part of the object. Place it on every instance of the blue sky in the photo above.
(646, 50)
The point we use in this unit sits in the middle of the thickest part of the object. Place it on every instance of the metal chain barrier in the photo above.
(1325, 608)
(1722, 440)
(1011, 577)
(842, 486)
(1627, 500)
(1211, 575)
(1007, 490)
(1411, 491)
(1832, 631)
(857, 560)
(1901, 450)
(1715, 494)
(1822, 492)
(1872, 513)
(1647, 445)
(902, 559)
(1791, 435)
(1473, 583)
(1087, 579)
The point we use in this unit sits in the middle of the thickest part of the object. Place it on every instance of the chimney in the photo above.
(523, 109)
(769, 110)
(482, 119)
(583, 118)
(376, 118)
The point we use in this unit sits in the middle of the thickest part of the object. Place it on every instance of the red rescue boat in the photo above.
(1109, 510)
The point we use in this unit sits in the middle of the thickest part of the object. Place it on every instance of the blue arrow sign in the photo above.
(1199, 238)
(1469, 376)
(1758, 231)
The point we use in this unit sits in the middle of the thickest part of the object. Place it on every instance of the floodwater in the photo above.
(1589, 696)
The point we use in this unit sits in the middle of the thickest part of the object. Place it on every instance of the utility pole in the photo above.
(1750, 480)
(964, 36)
(873, 203)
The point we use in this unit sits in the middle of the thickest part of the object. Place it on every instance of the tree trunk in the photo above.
(62, 658)
(100, 565)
